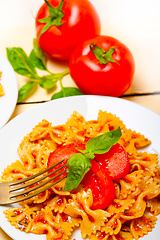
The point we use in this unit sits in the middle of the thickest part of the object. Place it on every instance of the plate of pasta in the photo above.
(58, 214)
(8, 90)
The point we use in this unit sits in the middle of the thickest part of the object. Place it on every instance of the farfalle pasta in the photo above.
(1, 87)
(58, 213)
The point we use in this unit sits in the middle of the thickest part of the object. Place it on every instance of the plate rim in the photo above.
(6, 85)
(83, 96)
(50, 103)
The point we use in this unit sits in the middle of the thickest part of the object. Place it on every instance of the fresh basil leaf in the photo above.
(25, 90)
(57, 95)
(36, 61)
(21, 62)
(52, 76)
(37, 56)
(78, 165)
(67, 92)
(47, 84)
(48, 81)
(104, 142)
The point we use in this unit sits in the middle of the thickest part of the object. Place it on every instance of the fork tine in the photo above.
(36, 186)
(35, 192)
(36, 180)
(34, 175)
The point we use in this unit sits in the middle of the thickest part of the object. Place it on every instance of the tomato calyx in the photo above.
(101, 55)
(54, 18)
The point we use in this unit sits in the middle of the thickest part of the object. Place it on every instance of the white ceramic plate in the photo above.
(58, 111)
(9, 83)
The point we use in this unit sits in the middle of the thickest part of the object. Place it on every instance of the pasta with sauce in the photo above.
(1, 87)
(56, 213)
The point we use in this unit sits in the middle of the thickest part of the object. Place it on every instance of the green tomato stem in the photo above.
(102, 56)
(54, 18)
(56, 77)
(66, 72)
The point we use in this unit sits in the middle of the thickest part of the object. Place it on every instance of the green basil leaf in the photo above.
(104, 142)
(21, 62)
(67, 92)
(57, 95)
(47, 84)
(52, 76)
(48, 81)
(78, 165)
(37, 56)
(25, 90)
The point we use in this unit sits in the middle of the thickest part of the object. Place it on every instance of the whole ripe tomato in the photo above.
(102, 66)
(72, 22)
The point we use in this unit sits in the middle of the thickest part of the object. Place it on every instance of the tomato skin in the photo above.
(115, 162)
(97, 179)
(103, 190)
(81, 22)
(93, 78)
(63, 152)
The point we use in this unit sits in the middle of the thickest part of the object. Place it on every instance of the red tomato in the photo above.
(80, 22)
(101, 184)
(115, 162)
(63, 153)
(92, 77)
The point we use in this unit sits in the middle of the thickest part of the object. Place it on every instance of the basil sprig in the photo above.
(38, 57)
(27, 65)
(80, 163)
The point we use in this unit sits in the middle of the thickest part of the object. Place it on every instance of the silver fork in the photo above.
(17, 191)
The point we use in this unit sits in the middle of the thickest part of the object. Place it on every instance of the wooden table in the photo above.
(140, 32)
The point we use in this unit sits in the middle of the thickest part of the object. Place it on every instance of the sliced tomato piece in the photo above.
(115, 162)
(103, 190)
(63, 152)
(97, 178)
